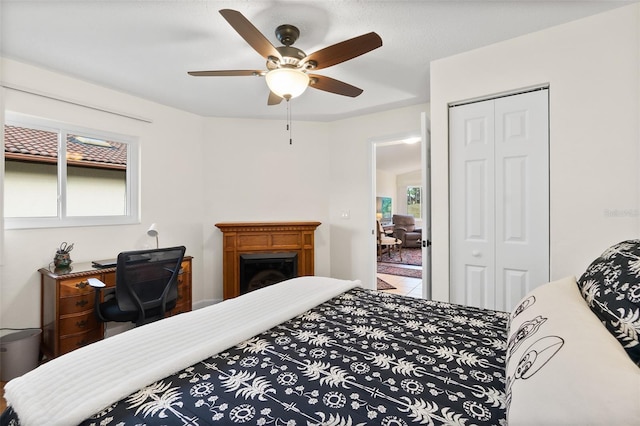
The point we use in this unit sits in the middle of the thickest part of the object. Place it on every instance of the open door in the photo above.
(426, 205)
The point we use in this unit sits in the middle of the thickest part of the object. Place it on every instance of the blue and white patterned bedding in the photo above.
(362, 358)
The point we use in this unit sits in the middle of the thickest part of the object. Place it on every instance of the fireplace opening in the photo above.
(264, 269)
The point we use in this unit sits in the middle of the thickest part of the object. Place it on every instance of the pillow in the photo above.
(611, 287)
(563, 367)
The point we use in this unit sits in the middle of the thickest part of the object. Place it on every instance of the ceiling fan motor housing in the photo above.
(287, 34)
(290, 55)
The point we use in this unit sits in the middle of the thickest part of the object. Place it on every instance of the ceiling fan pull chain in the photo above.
(289, 121)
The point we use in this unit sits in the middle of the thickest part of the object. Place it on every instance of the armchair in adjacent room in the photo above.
(146, 286)
(404, 228)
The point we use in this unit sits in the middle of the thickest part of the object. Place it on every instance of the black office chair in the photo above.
(146, 286)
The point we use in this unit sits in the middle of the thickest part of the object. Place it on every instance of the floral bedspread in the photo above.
(362, 358)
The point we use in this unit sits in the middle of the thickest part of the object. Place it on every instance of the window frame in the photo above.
(132, 176)
(409, 187)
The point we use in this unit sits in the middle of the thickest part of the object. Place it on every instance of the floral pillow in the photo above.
(611, 287)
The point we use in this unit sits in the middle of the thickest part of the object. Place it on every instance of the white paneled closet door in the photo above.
(499, 199)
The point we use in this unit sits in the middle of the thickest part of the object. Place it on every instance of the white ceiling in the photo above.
(398, 158)
(146, 47)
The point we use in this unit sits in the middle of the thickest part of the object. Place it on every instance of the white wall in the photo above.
(171, 167)
(353, 240)
(386, 187)
(253, 174)
(592, 67)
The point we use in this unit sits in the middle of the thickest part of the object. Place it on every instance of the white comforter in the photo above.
(68, 389)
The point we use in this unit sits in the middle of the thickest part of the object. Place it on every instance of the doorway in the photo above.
(400, 187)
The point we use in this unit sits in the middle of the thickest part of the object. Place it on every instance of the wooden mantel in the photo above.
(264, 237)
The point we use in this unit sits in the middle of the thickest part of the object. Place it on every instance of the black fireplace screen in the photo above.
(263, 269)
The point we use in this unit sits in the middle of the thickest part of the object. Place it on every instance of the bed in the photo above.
(315, 350)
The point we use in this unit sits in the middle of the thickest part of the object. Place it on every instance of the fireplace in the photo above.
(264, 269)
(240, 239)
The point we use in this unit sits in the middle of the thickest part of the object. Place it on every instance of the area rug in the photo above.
(394, 270)
(410, 256)
(383, 285)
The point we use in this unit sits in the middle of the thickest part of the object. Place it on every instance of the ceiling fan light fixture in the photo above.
(287, 82)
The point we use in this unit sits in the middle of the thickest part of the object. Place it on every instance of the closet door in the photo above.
(499, 181)
(522, 196)
(472, 204)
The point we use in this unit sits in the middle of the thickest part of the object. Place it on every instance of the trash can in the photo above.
(19, 353)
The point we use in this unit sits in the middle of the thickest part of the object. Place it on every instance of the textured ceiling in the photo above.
(146, 47)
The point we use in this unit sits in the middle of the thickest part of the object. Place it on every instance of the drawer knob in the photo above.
(82, 324)
(82, 342)
(82, 284)
(82, 302)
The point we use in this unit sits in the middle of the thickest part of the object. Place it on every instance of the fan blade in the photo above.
(250, 33)
(344, 51)
(227, 73)
(273, 99)
(332, 85)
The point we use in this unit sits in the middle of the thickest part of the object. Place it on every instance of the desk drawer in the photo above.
(77, 286)
(184, 293)
(75, 341)
(186, 268)
(183, 280)
(81, 303)
(78, 323)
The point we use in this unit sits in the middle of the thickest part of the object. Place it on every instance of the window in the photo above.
(414, 197)
(62, 175)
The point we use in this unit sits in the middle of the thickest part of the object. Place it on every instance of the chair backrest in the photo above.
(148, 279)
(404, 221)
(380, 230)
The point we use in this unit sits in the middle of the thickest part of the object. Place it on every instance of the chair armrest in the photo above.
(96, 283)
(98, 286)
(400, 228)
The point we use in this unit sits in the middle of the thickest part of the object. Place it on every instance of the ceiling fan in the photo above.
(288, 68)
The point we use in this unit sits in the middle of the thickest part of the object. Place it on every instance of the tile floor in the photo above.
(405, 286)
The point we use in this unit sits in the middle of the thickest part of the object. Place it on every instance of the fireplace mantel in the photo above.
(264, 237)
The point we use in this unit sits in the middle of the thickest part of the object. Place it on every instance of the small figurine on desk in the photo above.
(62, 259)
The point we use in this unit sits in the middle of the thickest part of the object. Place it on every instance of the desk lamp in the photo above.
(153, 232)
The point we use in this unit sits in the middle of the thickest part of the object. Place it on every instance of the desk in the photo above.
(67, 318)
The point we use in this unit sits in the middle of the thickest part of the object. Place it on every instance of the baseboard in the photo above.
(113, 328)
(204, 303)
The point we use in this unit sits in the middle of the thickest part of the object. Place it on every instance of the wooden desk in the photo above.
(67, 300)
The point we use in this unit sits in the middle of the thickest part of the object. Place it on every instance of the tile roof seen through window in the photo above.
(22, 143)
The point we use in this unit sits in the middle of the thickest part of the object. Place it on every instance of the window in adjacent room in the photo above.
(62, 175)
(414, 197)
